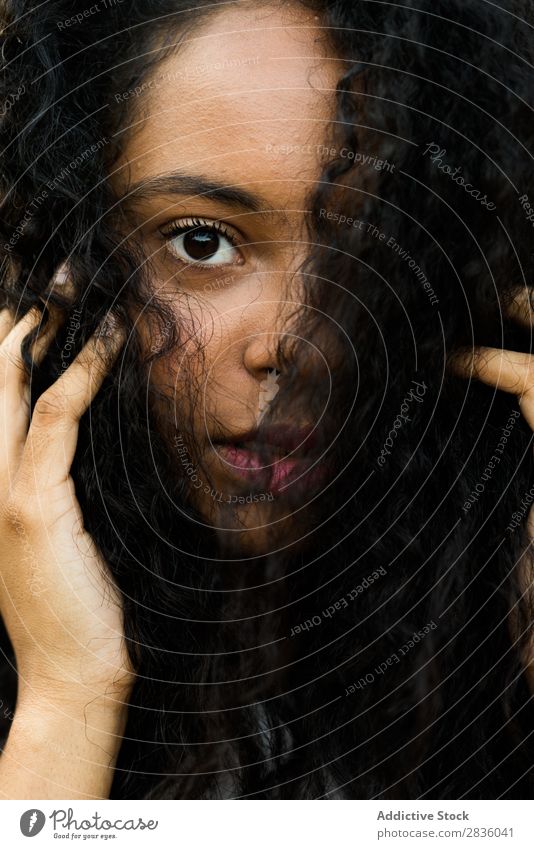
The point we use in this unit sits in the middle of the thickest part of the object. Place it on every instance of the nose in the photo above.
(260, 355)
(272, 320)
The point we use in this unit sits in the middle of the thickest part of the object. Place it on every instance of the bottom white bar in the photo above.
(268, 825)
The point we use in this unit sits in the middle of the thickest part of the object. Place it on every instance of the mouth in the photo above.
(271, 460)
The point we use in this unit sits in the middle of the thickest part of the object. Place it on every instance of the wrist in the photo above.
(62, 749)
(76, 678)
(50, 693)
(71, 721)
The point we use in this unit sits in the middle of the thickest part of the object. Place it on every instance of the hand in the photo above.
(509, 371)
(60, 606)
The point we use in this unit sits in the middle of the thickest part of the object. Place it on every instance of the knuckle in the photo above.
(49, 409)
(20, 505)
(526, 393)
(16, 513)
(525, 381)
(529, 377)
(7, 359)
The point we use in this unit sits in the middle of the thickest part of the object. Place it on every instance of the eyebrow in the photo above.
(198, 185)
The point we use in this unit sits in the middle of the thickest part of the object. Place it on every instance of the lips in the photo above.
(248, 465)
(281, 438)
(262, 459)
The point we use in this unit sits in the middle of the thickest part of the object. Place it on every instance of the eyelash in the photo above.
(185, 225)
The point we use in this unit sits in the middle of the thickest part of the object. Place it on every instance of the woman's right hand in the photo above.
(59, 604)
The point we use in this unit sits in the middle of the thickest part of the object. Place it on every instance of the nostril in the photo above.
(259, 355)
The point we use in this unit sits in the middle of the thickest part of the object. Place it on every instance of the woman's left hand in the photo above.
(510, 371)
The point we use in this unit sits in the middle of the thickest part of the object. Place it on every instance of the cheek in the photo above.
(204, 368)
(204, 374)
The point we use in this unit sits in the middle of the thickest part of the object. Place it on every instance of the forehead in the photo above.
(247, 97)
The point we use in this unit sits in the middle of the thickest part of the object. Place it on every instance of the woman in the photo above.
(255, 545)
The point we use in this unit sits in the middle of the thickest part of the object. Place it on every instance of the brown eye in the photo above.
(203, 244)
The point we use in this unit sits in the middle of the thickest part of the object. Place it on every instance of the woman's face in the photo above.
(228, 138)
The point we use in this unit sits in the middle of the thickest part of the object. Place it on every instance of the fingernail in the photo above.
(108, 326)
(62, 274)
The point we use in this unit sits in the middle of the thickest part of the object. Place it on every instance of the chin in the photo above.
(253, 530)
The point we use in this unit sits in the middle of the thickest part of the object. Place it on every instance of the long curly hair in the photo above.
(378, 660)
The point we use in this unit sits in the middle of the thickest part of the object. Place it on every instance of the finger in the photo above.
(526, 403)
(510, 371)
(6, 323)
(62, 283)
(14, 386)
(11, 362)
(12, 370)
(51, 443)
(14, 400)
(48, 334)
(520, 308)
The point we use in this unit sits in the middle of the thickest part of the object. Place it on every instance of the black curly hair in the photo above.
(379, 660)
